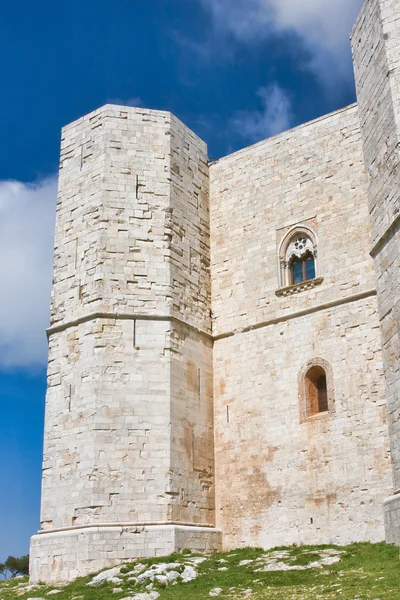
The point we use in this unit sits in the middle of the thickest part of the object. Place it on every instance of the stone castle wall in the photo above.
(376, 51)
(129, 408)
(176, 404)
(280, 481)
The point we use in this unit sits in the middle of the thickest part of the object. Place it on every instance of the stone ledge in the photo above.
(385, 237)
(123, 525)
(59, 327)
(295, 315)
(299, 287)
(326, 414)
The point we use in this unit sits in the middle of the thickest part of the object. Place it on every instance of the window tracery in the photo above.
(298, 259)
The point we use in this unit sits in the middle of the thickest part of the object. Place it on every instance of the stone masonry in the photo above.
(323, 480)
(128, 460)
(178, 404)
(376, 50)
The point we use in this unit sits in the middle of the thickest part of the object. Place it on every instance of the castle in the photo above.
(223, 355)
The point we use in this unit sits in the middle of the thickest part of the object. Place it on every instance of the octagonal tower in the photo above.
(128, 460)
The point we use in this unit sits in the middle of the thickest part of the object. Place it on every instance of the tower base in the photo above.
(392, 519)
(61, 556)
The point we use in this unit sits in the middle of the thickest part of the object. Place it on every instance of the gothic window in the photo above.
(315, 389)
(298, 258)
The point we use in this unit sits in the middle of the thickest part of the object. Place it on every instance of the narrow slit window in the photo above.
(316, 391)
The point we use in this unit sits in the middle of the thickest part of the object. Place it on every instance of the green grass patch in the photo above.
(364, 572)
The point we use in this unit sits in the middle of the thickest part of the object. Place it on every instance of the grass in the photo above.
(364, 572)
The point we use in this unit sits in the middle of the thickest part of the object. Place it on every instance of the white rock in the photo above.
(144, 596)
(330, 560)
(53, 592)
(169, 577)
(188, 574)
(274, 561)
(216, 592)
(137, 569)
(197, 560)
(110, 576)
(155, 570)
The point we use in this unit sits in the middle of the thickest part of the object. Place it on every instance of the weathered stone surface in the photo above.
(110, 576)
(376, 51)
(283, 479)
(129, 429)
(172, 340)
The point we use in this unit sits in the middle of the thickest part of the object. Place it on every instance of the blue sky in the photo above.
(235, 71)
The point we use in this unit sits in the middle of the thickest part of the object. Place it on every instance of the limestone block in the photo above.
(61, 557)
(376, 52)
(283, 479)
(129, 419)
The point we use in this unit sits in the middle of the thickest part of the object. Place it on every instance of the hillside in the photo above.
(357, 572)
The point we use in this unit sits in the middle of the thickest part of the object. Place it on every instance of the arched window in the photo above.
(316, 390)
(316, 394)
(298, 258)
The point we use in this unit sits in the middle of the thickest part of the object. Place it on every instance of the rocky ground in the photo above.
(357, 572)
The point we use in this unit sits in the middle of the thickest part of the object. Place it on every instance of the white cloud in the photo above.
(323, 26)
(27, 213)
(274, 117)
(134, 101)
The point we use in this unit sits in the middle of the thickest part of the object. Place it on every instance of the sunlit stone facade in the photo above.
(223, 356)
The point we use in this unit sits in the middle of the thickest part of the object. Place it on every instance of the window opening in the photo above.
(316, 391)
(298, 258)
(302, 268)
